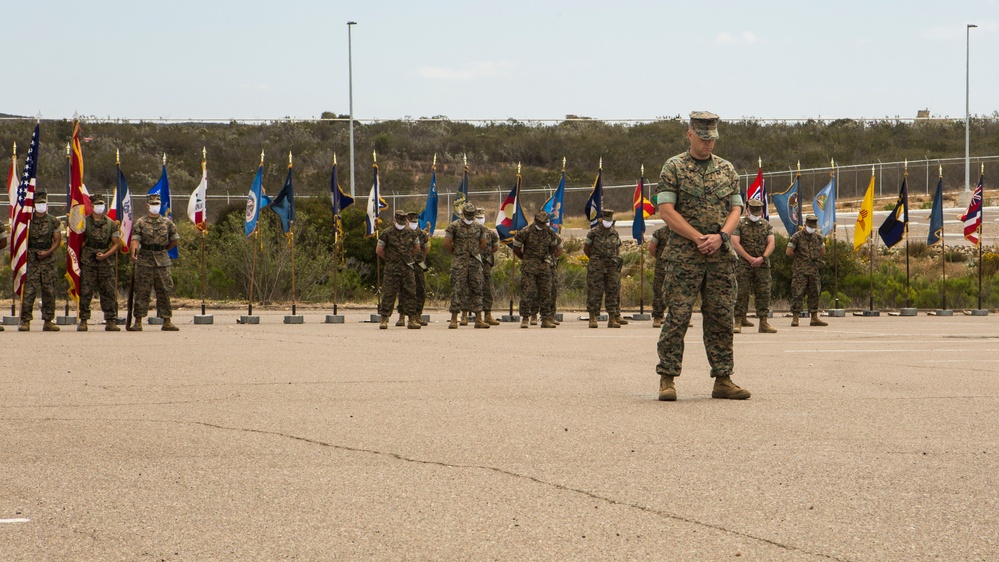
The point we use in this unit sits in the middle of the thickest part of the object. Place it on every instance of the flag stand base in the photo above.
(868, 313)
(836, 312)
(942, 312)
(204, 319)
(154, 320)
(600, 318)
(11, 320)
(65, 320)
(638, 316)
(979, 312)
(375, 319)
(294, 319)
(510, 318)
(907, 311)
(334, 319)
(246, 319)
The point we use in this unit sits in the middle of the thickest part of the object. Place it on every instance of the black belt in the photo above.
(96, 248)
(152, 247)
(36, 247)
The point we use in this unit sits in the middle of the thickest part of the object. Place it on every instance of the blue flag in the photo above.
(595, 204)
(162, 188)
(788, 208)
(555, 204)
(824, 207)
(510, 217)
(428, 217)
(462, 196)
(284, 204)
(936, 216)
(255, 201)
(893, 229)
(338, 198)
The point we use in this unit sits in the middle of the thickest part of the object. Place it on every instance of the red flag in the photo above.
(758, 190)
(76, 219)
(973, 217)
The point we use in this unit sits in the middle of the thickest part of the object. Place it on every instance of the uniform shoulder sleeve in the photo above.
(449, 231)
(589, 238)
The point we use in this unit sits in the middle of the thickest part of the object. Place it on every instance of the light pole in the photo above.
(967, 108)
(350, 82)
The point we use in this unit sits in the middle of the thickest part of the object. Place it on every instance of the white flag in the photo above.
(196, 205)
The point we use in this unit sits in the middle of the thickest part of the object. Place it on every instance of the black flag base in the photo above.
(640, 316)
(154, 320)
(65, 320)
(907, 311)
(978, 312)
(11, 320)
(204, 319)
(294, 319)
(510, 318)
(836, 312)
(334, 319)
(941, 312)
(868, 313)
(248, 319)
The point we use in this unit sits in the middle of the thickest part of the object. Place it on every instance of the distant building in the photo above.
(923, 114)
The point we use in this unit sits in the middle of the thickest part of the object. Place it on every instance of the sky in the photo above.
(519, 59)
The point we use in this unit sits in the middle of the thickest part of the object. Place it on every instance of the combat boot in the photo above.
(168, 326)
(464, 318)
(557, 323)
(765, 327)
(423, 322)
(480, 322)
(794, 320)
(667, 389)
(24, 327)
(657, 322)
(736, 326)
(82, 326)
(612, 322)
(49, 326)
(725, 388)
(453, 324)
(414, 324)
(136, 326)
(746, 322)
(547, 323)
(523, 322)
(490, 320)
(620, 320)
(111, 326)
(815, 320)
(593, 321)
(534, 320)
(401, 321)
(383, 325)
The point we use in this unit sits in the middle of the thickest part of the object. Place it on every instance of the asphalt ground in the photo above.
(871, 439)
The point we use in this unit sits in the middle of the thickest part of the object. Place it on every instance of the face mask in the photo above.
(809, 230)
(154, 209)
(414, 225)
(467, 221)
(754, 218)
(99, 209)
(607, 224)
(538, 226)
(481, 220)
(400, 226)
(42, 207)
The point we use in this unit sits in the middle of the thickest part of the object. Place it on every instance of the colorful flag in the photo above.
(12, 183)
(196, 204)
(758, 190)
(284, 204)
(121, 210)
(555, 204)
(24, 208)
(893, 229)
(936, 216)
(643, 209)
(76, 218)
(824, 207)
(973, 217)
(788, 207)
(595, 204)
(865, 217)
(255, 201)
(461, 197)
(510, 217)
(375, 206)
(428, 217)
(162, 188)
(338, 199)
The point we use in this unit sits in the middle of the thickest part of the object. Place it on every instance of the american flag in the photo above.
(973, 218)
(24, 207)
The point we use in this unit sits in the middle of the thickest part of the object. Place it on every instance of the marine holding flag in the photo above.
(153, 236)
(101, 240)
(44, 237)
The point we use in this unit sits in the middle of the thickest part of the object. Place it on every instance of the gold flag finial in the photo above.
(464, 158)
(563, 163)
(374, 157)
(518, 168)
(759, 161)
(799, 167)
(941, 170)
(334, 158)
(643, 170)
(600, 165)
(204, 153)
(289, 158)
(15, 150)
(67, 150)
(832, 162)
(435, 161)
(872, 171)
(983, 168)
(117, 156)
(164, 158)
(261, 157)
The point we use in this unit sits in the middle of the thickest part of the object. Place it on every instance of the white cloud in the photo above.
(470, 71)
(743, 38)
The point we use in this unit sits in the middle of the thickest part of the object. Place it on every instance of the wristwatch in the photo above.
(724, 236)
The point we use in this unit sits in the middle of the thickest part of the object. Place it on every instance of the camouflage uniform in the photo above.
(537, 243)
(603, 273)
(704, 196)
(153, 268)
(488, 261)
(753, 238)
(805, 269)
(41, 274)
(99, 235)
(466, 265)
(660, 237)
(399, 278)
(419, 274)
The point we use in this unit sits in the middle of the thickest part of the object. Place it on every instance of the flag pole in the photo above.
(204, 230)
(943, 247)
(832, 163)
(981, 225)
(377, 207)
(905, 176)
(117, 167)
(13, 282)
(253, 264)
(336, 241)
(641, 250)
(291, 241)
(870, 244)
(69, 202)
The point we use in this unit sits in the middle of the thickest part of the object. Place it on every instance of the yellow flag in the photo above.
(865, 218)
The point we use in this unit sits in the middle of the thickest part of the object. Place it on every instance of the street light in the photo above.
(967, 109)
(350, 81)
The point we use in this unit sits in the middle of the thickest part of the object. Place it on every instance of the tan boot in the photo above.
(620, 320)
(453, 324)
(815, 320)
(657, 322)
(524, 321)
(534, 320)
(612, 322)
(746, 323)
(480, 322)
(765, 327)
(168, 326)
(111, 326)
(490, 320)
(82, 326)
(25, 326)
(401, 321)
(547, 323)
(667, 389)
(736, 326)
(414, 324)
(423, 322)
(136, 326)
(464, 318)
(49, 326)
(725, 388)
(383, 325)
(593, 321)
(794, 320)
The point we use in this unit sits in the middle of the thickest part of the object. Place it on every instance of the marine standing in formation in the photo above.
(101, 241)
(657, 247)
(488, 261)
(398, 246)
(603, 272)
(753, 241)
(538, 245)
(419, 270)
(465, 241)
(807, 248)
(44, 237)
(698, 198)
(153, 236)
